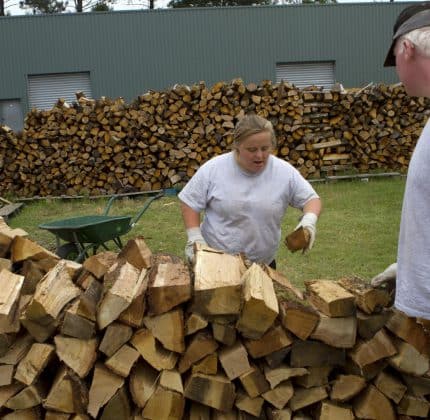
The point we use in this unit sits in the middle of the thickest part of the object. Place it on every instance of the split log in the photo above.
(104, 385)
(171, 379)
(207, 365)
(7, 234)
(158, 357)
(411, 405)
(17, 350)
(32, 365)
(168, 328)
(234, 360)
(143, 382)
(246, 404)
(123, 360)
(368, 298)
(120, 296)
(169, 284)
(217, 282)
(75, 325)
(224, 333)
(10, 290)
(331, 411)
(137, 253)
(315, 377)
(282, 373)
(79, 355)
(260, 306)
(298, 318)
(22, 249)
(194, 323)
(118, 407)
(410, 331)
(369, 325)
(390, 386)
(315, 354)
(6, 374)
(254, 382)
(53, 292)
(408, 360)
(346, 387)
(201, 345)
(370, 351)
(304, 397)
(164, 404)
(280, 395)
(330, 298)
(30, 396)
(116, 334)
(68, 393)
(273, 340)
(215, 391)
(99, 264)
(373, 404)
(337, 332)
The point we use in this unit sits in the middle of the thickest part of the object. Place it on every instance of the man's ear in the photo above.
(409, 49)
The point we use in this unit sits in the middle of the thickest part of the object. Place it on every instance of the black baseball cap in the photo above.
(413, 17)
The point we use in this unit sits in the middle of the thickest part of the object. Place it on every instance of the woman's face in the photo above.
(252, 152)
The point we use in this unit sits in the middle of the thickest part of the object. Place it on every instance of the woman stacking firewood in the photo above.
(244, 195)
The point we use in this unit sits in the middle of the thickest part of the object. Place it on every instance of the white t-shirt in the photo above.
(413, 255)
(243, 211)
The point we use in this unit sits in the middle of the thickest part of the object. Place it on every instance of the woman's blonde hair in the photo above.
(252, 124)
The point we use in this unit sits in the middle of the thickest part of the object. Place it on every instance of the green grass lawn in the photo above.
(356, 234)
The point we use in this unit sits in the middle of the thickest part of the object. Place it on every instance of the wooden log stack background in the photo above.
(107, 146)
(139, 336)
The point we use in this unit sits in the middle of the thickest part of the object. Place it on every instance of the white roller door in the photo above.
(307, 74)
(45, 90)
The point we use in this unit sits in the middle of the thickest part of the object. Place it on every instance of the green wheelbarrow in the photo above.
(84, 235)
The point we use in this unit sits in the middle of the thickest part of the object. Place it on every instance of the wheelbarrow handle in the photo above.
(144, 208)
(109, 204)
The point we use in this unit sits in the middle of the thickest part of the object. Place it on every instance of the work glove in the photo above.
(387, 276)
(194, 236)
(309, 222)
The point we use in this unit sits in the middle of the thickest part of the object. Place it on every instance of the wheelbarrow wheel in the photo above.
(68, 251)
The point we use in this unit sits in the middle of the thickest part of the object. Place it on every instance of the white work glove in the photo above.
(387, 276)
(309, 222)
(194, 235)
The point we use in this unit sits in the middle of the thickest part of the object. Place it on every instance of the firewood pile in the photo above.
(141, 336)
(106, 146)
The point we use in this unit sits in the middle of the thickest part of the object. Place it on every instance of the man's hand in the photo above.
(309, 222)
(194, 235)
(388, 276)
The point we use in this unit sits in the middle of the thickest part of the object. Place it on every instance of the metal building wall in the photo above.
(128, 53)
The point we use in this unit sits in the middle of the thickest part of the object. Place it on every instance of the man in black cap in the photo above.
(410, 53)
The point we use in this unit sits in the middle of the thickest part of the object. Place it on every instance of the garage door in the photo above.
(307, 74)
(45, 90)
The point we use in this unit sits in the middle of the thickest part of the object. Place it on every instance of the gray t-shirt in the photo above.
(243, 211)
(413, 255)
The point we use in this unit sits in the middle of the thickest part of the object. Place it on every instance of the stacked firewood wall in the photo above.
(106, 146)
(141, 336)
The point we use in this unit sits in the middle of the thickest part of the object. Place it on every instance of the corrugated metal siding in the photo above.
(128, 53)
(45, 90)
(11, 114)
(307, 74)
